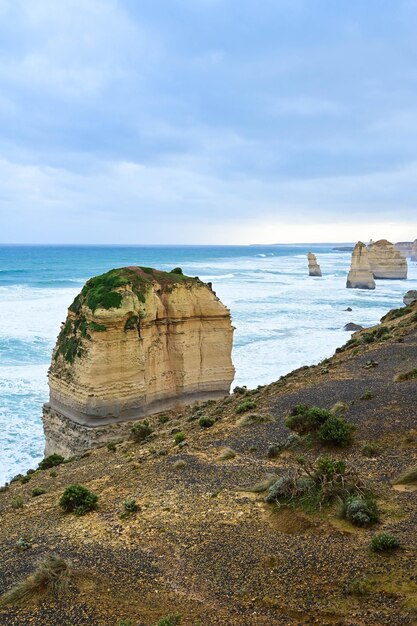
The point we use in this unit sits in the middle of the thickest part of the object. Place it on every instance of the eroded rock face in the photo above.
(136, 341)
(404, 247)
(386, 261)
(360, 275)
(413, 253)
(410, 297)
(313, 266)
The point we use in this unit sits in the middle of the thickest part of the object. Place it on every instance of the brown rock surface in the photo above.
(136, 341)
(313, 266)
(360, 275)
(413, 253)
(386, 260)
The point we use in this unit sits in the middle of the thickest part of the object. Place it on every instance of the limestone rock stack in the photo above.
(386, 261)
(413, 253)
(360, 275)
(313, 266)
(404, 247)
(136, 341)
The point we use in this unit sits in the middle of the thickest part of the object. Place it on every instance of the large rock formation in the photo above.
(413, 252)
(410, 297)
(360, 275)
(405, 247)
(136, 341)
(313, 266)
(386, 260)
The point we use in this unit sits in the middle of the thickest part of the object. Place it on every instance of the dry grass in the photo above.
(52, 575)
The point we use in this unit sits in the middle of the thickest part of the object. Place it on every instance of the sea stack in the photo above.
(386, 261)
(360, 275)
(413, 253)
(410, 297)
(404, 247)
(313, 266)
(136, 341)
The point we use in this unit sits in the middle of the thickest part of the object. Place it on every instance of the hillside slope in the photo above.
(204, 543)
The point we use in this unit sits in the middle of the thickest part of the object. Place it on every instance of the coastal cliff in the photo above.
(136, 341)
(386, 260)
(360, 275)
(313, 267)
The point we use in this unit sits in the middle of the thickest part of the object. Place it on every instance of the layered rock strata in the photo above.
(404, 247)
(413, 253)
(360, 275)
(136, 341)
(313, 266)
(386, 261)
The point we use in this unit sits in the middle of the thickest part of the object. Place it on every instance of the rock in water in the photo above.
(360, 275)
(410, 297)
(136, 341)
(404, 247)
(413, 253)
(351, 326)
(386, 261)
(313, 266)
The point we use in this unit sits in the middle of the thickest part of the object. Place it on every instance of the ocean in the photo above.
(283, 317)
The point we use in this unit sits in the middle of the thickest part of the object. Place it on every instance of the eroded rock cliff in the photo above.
(136, 341)
(386, 260)
(313, 267)
(413, 253)
(360, 275)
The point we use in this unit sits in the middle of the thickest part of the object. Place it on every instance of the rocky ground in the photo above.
(205, 544)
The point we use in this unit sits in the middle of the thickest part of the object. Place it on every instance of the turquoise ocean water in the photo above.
(283, 318)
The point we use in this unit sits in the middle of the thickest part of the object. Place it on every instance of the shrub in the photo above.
(130, 506)
(360, 510)
(409, 477)
(370, 450)
(163, 418)
(288, 488)
(358, 586)
(179, 438)
(38, 491)
(170, 620)
(330, 467)
(336, 430)
(206, 422)
(248, 405)
(141, 431)
(383, 542)
(52, 574)
(240, 390)
(405, 376)
(227, 454)
(17, 502)
(78, 499)
(177, 270)
(25, 479)
(253, 418)
(23, 544)
(179, 464)
(339, 408)
(111, 446)
(51, 461)
(367, 395)
(304, 419)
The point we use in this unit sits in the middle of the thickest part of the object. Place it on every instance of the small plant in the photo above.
(53, 474)
(240, 390)
(253, 418)
(180, 464)
(78, 499)
(206, 422)
(304, 419)
(226, 455)
(23, 544)
(25, 479)
(179, 438)
(358, 586)
(170, 620)
(111, 446)
(360, 510)
(339, 408)
(248, 405)
(130, 506)
(370, 450)
(177, 270)
(367, 395)
(97, 328)
(141, 431)
(330, 467)
(17, 502)
(398, 378)
(163, 418)
(384, 542)
(38, 491)
(336, 430)
(51, 461)
(125, 622)
(408, 478)
(52, 574)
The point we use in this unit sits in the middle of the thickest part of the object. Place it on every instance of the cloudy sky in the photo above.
(207, 121)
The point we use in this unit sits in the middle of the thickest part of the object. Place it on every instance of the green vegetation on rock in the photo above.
(78, 499)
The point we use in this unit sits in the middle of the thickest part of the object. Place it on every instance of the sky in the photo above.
(207, 121)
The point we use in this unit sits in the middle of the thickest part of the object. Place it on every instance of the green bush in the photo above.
(170, 620)
(248, 405)
(408, 478)
(111, 446)
(179, 438)
(383, 542)
(360, 510)
(17, 502)
(240, 390)
(304, 419)
(51, 461)
(23, 544)
(336, 430)
(370, 450)
(330, 467)
(130, 506)
(141, 431)
(367, 395)
(38, 491)
(177, 270)
(206, 422)
(78, 499)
